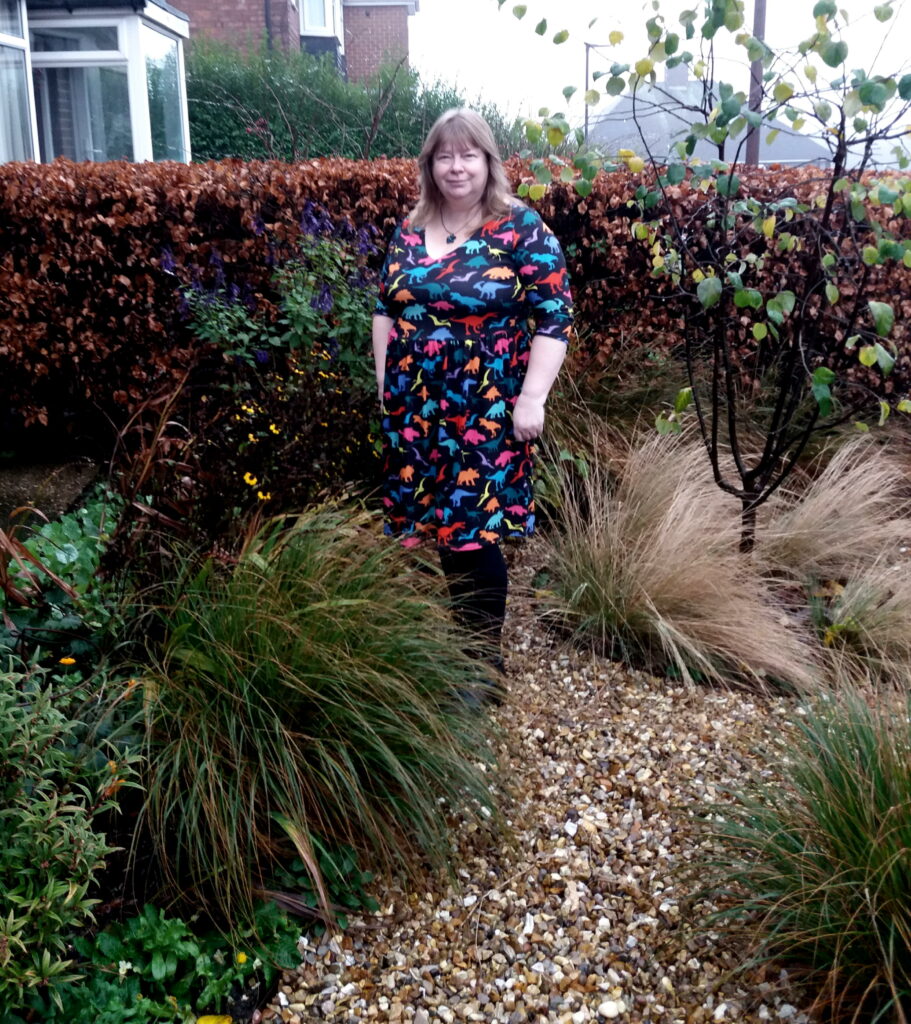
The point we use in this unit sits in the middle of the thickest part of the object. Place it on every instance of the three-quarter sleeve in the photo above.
(382, 305)
(542, 271)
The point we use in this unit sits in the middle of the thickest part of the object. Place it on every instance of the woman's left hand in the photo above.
(527, 418)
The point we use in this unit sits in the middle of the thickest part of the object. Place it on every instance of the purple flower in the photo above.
(261, 356)
(167, 263)
(322, 302)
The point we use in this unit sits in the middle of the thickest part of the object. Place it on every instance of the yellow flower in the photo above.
(250, 479)
(274, 428)
(241, 958)
(67, 661)
(264, 497)
(252, 438)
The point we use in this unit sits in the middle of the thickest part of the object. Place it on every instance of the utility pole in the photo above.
(752, 147)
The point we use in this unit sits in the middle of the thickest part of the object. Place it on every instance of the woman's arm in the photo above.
(382, 326)
(544, 362)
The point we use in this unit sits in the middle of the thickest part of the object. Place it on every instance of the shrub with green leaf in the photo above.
(307, 692)
(52, 794)
(158, 967)
(814, 856)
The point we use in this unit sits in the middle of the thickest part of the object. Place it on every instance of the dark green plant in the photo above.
(155, 967)
(295, 106)
(52, 793)
(814, 862)
(307, 690)
(53, 594)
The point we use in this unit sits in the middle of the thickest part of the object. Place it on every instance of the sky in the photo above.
(490, 54)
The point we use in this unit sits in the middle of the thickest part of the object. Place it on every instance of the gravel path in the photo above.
(577, 917)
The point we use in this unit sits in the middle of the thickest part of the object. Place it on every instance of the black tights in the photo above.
(477, 583)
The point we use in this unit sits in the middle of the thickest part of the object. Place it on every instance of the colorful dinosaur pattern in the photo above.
(457, 355)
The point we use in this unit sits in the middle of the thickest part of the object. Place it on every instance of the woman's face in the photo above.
(460, 173)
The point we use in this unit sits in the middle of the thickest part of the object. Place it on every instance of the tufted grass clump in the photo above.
(816, 866)
(304, 695)
(644, 564)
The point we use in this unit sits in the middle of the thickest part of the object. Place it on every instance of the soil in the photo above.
(50, 488)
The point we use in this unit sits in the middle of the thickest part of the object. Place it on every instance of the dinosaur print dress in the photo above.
(458, 350)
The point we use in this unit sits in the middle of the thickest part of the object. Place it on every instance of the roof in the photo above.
(616, 129)
(71, 6)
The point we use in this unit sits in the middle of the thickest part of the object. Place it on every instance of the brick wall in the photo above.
(242, 23)
(374, 35)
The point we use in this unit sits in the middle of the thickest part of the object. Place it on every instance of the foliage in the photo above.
(815, 865)
(52, 791)
(294, 106)
(643, 563)
(52, 594)
(817, 327)
(853, 510)
(154, 967)
(293, 697)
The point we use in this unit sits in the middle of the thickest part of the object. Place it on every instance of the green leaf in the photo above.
(748, 298)
(570, 90)
(782, 92)
(904, 87)
(873, 94)
(825, 9)
(885, 359)
(883, 317)
(882, 12)
(867, 355)
(728, 184)
(665, 426)
(592, 96)
(785, 301)
(520, 10)
(561, 36)
(708, 291)
(833, 53)
(615, 86)
(541, 27)
(676, 173)
(583, 187)
(683, 400)
(870, 255)
(832, 293)
(772, 136)
(884, 411)
(536, 192)
(158, 966)
(823, 375)
(904, 405)
(533, 132)
(760, 331)
(823, 110)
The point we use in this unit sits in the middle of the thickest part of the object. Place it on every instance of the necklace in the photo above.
(451, 236)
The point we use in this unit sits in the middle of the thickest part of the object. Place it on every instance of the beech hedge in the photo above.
(94, 256)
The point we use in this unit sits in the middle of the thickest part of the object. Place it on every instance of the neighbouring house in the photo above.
(360, 35)
(661, 125)
(92, 80)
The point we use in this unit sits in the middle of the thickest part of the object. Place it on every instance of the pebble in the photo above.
(574, 916)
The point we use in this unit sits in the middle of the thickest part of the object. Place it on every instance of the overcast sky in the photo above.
(487, 52)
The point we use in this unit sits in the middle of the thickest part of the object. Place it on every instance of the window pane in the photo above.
(55, 40)
(10, 18)
(315, 14)
(83, 113)
(15, 125)
(165, 113)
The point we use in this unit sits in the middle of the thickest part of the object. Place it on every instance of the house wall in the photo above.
(374, 35)
(242, 23)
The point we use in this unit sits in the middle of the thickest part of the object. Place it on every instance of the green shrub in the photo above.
(51, 796)
(306, 691)
(66, 607)
(154, 967)
(814, 859)
(293, 106)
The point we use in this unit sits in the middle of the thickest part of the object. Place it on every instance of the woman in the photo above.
(462, 377)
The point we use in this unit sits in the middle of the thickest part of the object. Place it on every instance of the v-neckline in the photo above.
(454, 249)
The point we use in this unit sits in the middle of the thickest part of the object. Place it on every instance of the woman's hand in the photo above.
(527, 418)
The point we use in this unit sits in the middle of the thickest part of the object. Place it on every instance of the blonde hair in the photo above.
(461, 126)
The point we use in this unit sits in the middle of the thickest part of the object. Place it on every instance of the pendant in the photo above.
(450, 239)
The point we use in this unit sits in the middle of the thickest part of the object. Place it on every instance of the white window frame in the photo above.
(129, 54)
(334, 27)
(21, 43)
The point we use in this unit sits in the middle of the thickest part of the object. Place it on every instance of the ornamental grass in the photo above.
(644, 564)
(305, 696)
(815, 863)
